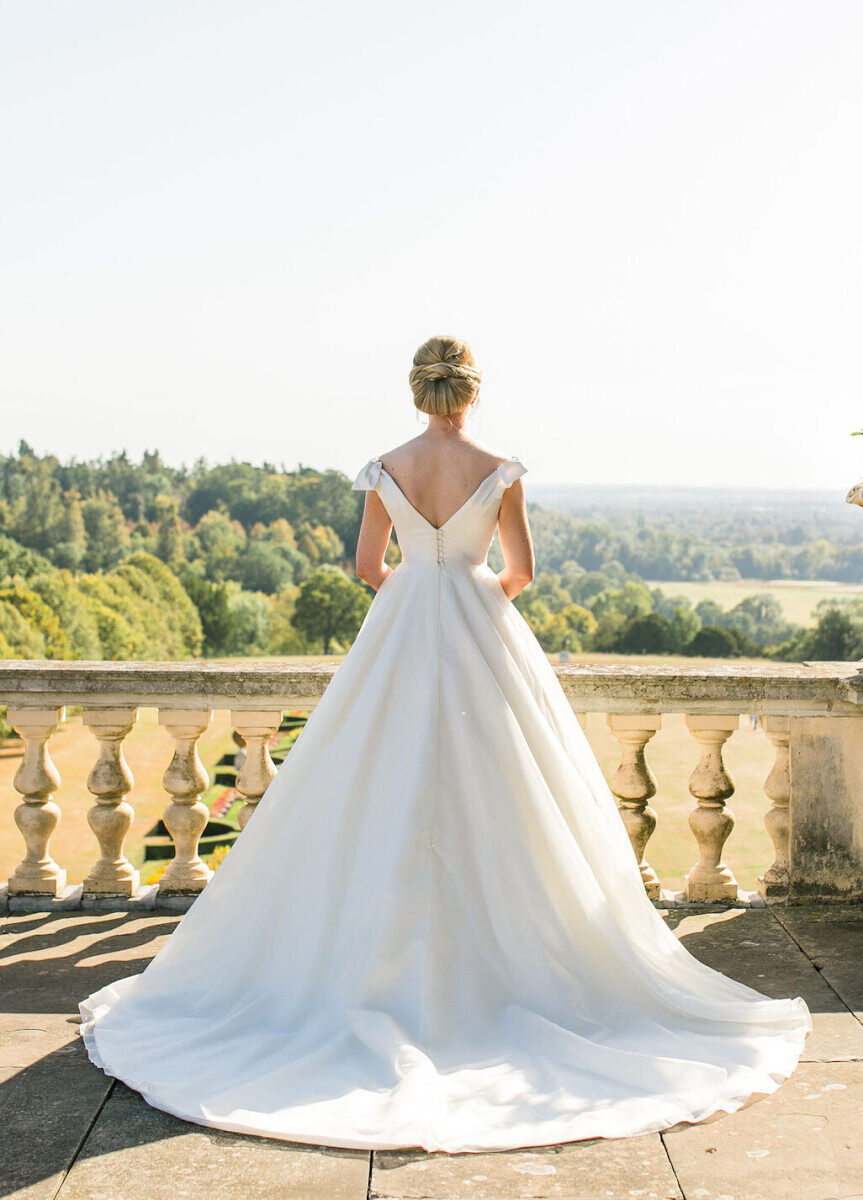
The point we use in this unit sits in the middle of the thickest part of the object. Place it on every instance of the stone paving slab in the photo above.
(832, 937)
(137, 1152)
(752, 946)
(599, 1169)
(803, 1142)
(49, 1093)
(50, 962)
(53, 1100)
(28, 1038)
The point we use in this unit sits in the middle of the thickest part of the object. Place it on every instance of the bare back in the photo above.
(437, 475)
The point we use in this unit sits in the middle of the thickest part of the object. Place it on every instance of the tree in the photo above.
(760, 618)
(548, 587)
(15, 560)
(39, 507)
(684, 626)
(70, 534)
(580, 626)
(60, 592)
(279, 532)
(330, 606)
(180, 616)
(650, 634)
(712, 641)
(836, 638)
(325, 498)
(250, 621)
(39, 616)
(107, 536)
(117, 638)
(126, 630)
(169, 533)
(23, 639)
(284, 637)
(632, 600)
(211, 601)
(222, 542)
(709, 612)
(142, 611)
(266, 567)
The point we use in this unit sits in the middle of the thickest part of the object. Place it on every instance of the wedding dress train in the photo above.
(458, 953)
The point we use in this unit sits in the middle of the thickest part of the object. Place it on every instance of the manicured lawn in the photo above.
(797, 597)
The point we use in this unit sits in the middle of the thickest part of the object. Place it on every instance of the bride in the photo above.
(460, 954)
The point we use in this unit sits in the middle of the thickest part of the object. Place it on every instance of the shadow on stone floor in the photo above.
(58, 1111)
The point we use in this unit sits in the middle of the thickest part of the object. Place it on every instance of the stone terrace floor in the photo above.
(68, 1131)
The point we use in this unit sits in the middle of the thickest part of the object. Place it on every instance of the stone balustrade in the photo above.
(812, 715)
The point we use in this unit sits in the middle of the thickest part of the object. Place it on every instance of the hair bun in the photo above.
(445, 378)
(437, 370)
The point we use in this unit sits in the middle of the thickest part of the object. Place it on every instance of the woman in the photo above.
(460, 954)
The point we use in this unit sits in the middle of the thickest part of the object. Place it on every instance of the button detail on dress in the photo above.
(439, 544)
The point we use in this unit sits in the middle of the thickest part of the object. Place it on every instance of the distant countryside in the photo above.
(115, 559)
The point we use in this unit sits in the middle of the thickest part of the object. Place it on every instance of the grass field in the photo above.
(797, 597)
(672, 754)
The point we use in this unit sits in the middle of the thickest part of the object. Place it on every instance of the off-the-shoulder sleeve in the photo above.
(367, 480)
(511, 470)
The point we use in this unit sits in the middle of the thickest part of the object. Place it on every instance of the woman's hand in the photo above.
(384, 576)
(511, 583)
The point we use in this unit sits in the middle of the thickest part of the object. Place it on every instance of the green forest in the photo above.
(115, 559)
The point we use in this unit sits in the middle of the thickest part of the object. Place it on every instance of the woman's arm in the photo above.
(373, 541)
(515, 541)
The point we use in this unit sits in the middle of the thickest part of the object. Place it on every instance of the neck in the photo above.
(451, 426)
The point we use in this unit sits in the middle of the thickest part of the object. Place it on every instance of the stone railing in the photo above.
(812, 715)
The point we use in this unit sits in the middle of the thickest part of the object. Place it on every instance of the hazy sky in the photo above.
(226, 226)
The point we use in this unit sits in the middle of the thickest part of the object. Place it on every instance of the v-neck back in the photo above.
(452, 516)
(466, 534)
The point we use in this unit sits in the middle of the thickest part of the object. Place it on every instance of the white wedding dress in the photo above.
(433, 931)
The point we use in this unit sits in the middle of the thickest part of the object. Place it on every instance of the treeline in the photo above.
(249, 550)
(695, 546)
(121, 560)
(580, 610)
(260, 526)
(137, 611)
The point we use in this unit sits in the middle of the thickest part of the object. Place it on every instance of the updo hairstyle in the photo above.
(444, 378)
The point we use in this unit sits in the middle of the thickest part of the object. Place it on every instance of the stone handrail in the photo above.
(810, 713)
(808, 689)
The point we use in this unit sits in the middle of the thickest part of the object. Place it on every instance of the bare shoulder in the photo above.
(402, 456)
(483, 460)
(417, 456)
(494, 458)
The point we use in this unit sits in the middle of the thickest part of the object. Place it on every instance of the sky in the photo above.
(226, 226)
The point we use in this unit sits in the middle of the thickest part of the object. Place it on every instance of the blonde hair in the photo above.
(444, 378)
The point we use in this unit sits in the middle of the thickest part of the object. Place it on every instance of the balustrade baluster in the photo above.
(711, 821)
(773, 884)
(258, 769)
(37, 816)
(185, 816)
(111, 816)
(633, 784)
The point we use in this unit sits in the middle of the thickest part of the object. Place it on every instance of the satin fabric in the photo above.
(432, 931)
